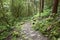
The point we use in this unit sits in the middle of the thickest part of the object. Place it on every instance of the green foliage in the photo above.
(49, 26)
(20, 9)
(12, 12)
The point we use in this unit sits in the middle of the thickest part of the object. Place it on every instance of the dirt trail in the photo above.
(30, 33)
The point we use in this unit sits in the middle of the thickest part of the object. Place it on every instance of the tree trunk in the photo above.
(41, 5)
(55, 6)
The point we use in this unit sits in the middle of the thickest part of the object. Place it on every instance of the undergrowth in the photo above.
(48, 25)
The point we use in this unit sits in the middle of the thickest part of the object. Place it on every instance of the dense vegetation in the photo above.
(42, 13)
(48, 22)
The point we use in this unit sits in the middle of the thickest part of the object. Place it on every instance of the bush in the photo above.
(48, 26)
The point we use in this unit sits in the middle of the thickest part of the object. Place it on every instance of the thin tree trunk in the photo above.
(55, 6)
(41, 5)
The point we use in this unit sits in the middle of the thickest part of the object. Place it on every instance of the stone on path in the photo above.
(31, 34)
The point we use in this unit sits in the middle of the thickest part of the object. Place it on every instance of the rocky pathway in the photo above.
(30, 34)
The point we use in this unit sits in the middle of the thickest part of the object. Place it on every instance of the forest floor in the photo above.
(31, 34)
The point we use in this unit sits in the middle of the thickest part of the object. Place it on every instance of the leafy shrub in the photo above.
(49, 26)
